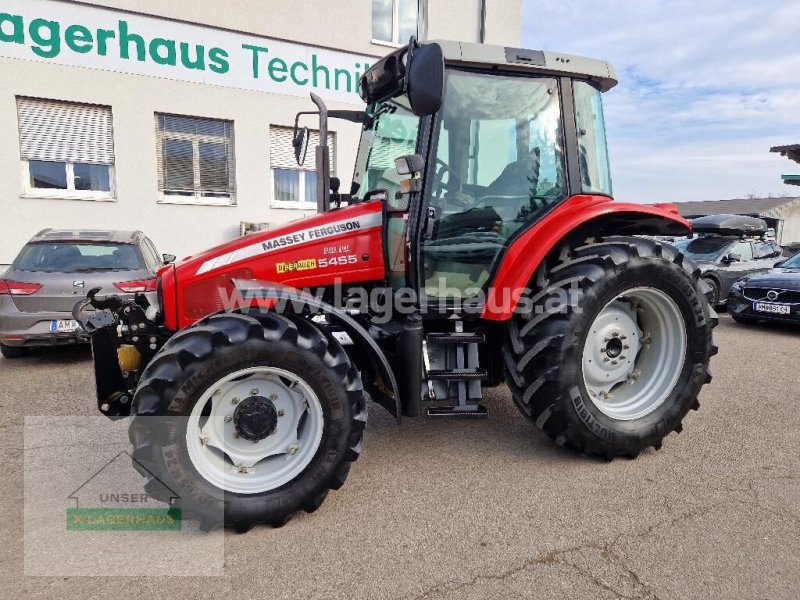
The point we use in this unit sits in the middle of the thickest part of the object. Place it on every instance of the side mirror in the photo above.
(425, 78)
(411, 164)
(779, 263)
(168, 258)
(732, 258)
(300, 143)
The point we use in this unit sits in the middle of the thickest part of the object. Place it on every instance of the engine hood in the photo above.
(786, 279)
(338, 247)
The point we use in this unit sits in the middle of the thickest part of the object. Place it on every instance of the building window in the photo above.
(295, 186)
(67, 149)
(195, 160)
(395, 21)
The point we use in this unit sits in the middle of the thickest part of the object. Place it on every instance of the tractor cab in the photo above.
(501, 137)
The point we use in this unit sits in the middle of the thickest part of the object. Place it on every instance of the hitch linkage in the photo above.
(105, 328)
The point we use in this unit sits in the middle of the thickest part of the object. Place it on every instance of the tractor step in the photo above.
(458, 374)
(455, 337)
(451, 369)
(474, 411)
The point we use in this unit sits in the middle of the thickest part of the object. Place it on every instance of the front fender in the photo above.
(379, 381)
(580, 216)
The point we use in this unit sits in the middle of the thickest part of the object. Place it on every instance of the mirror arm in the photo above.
(300, 114)
(354, 116)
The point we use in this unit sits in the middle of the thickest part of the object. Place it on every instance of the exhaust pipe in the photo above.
(322, 156)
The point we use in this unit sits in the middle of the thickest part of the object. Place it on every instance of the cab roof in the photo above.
(520, 59)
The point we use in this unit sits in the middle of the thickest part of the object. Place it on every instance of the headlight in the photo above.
(738, 286)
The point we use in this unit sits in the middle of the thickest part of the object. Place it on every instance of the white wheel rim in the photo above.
(239, 465)
(634, 353)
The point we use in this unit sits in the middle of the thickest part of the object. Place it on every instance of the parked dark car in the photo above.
(55, 269)
(723, 260)
(771, 296)
(724, 254)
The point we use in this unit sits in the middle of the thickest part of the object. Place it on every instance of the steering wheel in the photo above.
(438, 183)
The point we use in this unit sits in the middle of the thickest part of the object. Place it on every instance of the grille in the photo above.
(761, 295)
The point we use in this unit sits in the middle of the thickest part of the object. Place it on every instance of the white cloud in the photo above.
(706, 87)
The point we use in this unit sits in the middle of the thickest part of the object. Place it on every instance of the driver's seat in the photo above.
(518, 178)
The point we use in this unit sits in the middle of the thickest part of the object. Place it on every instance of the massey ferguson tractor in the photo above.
(479, 245)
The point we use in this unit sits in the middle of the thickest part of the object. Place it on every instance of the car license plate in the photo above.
(775, 309)
(65, 326)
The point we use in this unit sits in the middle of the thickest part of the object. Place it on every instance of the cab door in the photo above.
(499, 168)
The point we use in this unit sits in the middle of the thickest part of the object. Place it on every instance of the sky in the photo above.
(706, 87)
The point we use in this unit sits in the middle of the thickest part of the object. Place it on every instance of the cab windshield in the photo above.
(389, 132)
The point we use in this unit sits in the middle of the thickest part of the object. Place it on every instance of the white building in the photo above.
(172, 117)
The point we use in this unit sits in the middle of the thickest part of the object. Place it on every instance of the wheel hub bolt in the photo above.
(244, 470)
(273, 397)
(293, 449)
(236, 434)
(204, 441)
(235, 401)
(254, 392)
(228, 419)
(281, 412)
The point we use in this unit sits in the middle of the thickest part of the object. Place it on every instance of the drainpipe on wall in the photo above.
(482, 32)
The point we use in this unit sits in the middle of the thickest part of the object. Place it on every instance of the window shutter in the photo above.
(281, 151)
(195, 155)
(55, 131)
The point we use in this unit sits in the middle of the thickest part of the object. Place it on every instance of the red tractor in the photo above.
(479, 244)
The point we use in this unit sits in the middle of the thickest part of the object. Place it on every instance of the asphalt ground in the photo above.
(487, 509)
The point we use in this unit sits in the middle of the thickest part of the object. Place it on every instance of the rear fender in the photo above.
(378, 379)
(577, 219)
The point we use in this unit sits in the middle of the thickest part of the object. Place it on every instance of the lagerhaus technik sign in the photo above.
(78, 35)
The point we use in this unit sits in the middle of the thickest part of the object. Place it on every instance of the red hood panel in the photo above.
(343, 246)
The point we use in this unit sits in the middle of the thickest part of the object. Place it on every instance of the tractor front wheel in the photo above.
(612, 347)
(247, 418)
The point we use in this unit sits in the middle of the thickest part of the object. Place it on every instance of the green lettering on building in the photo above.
(48, 39)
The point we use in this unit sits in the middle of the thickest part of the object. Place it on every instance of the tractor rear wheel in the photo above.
(611, 347)
(248, 418)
